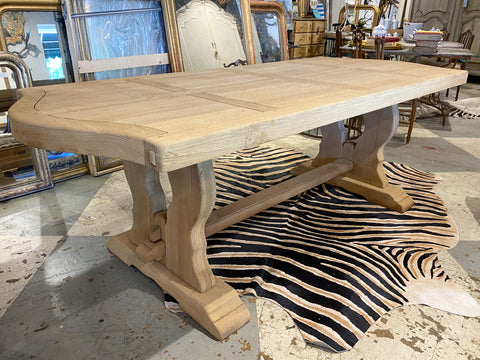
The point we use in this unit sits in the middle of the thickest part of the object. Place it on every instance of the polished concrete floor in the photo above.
(64, 296)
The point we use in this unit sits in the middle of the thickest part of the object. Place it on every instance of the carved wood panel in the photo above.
(454, 15)
(470, 19)
(433, 13)
(209, 36)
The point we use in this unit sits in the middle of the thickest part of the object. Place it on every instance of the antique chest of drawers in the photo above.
(308, 37)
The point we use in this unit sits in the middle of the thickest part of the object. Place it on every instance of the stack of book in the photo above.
(426, 42)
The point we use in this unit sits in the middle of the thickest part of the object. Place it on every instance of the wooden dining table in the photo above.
(450, 50)
(179, 123)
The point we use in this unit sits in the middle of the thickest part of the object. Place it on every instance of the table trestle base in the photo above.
(391, 196)
(167, 243)
(367, 177)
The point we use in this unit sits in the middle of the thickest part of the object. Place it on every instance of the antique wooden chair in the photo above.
(466, 38)
(357, 40)
(379, 48)
(338, 42)
(446, 34)
(406, 109)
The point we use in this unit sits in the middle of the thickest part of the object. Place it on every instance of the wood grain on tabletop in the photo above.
(186, 118)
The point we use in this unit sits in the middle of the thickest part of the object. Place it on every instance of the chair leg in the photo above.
(458, 91)
(463, 66)
(412, 120)
(442, 109)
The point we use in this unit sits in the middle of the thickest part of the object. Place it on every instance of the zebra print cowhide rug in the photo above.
(331, 259)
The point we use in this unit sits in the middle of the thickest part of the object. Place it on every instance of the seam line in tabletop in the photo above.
(159, 85)
(207, 96)
(234, 102)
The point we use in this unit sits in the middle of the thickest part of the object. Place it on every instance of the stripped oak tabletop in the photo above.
(170, 121)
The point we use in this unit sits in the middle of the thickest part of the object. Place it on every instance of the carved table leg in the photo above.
(193, 200)
(176, 257)
(149, 211)
(367, 178)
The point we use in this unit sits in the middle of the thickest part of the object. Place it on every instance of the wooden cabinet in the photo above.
(307, 37)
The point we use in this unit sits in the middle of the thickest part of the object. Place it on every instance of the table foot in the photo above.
(392, 197)
(367, 178)
(218, 310)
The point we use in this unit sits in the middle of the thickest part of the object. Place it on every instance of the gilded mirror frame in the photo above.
(173, 40)
(277, 8)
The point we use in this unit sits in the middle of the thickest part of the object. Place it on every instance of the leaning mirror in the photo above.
(34, 33)
(23, 169)
(269, 31)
